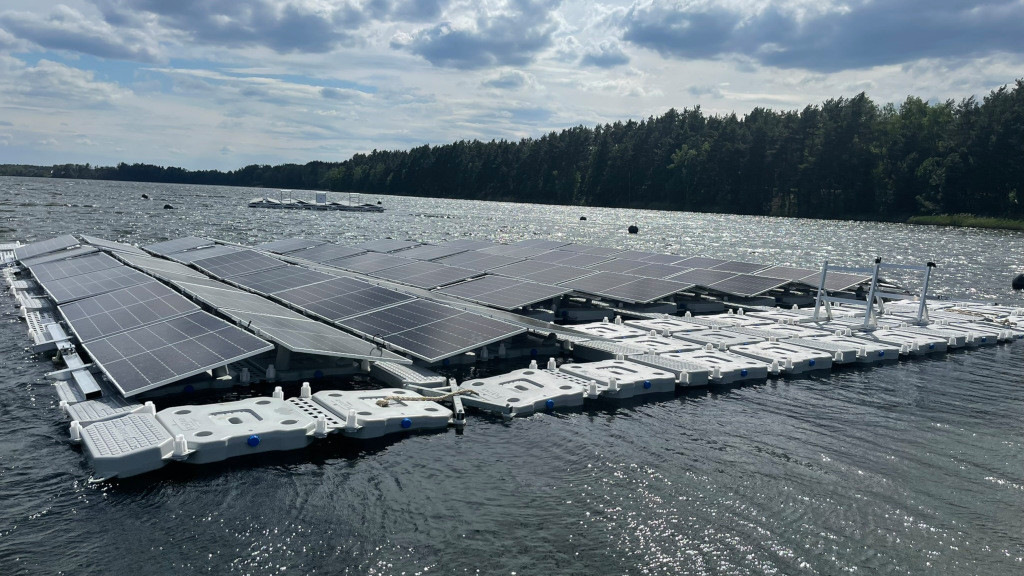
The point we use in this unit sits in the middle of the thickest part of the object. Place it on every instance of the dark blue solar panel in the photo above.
(237, 263)
(280, 279)
(121, 310)
(325, 252)
(73, 267)
(45, 246)
(93, 283)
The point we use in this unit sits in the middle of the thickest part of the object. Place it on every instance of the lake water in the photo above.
(911, 468)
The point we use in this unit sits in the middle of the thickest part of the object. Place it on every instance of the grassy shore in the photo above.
(968, 220)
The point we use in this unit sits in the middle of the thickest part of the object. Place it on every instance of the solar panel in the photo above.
(121, 310)
(701, 262)
(386, 245)
(369, 262)
(595, 250)
(702, 277)
(22, 253)
(503, 293)
(469, 243)
(152, 356)
(325, 252)
(570, 258)
(93, 283)
(748, 285)
(619, 265)
(190, 256)
(636, 255)
(280, 279)
(178, 245)
(73, 267)
(479, 261)
(341, 297)
(426, 275)
(156, 266)
(59, 255)
(287, 245)
(790, 273)
(739, 267)
(432, 252)
(300, 334)
(223, 297)
(112, 246)
(237, 263)
(431, 331)
(599, 282)
(541, 243)
(644, 290)
(663, 258)
(657, 270)
(514, 250)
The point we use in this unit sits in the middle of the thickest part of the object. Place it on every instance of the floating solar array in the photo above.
(702, 277)
(426, 275)
(164, 352)
(112, 246)
(121, 310)
(427, 252)
(386, 245)
(369, 262)
(595, 250)
(93, 283)
(157, 266)
(627, 288)
(668, 259)
(178, 245)
(801, 275)
(288, 245)
(73, 267)
(469, 244)
(340, 298)
(325, 252)
(621, 266)
(839, 281)
(480, 261)
(656, 270)
(237, 263)
(45, 246)
(503, 293)
(431, 331)
(701, 262)
(739, 267)
(190, 256)
(280, 279)
(570, 258)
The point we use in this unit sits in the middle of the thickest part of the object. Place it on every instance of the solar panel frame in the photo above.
(121, 310)
(85, 285)
(286, 245)
(279, 279)
(386, 245)
(62, 242)
(237, 264)
(325, 252)
(740, 267)
(58, 269)
(701, 276)
(369, 262)
(190, 256)
(479, 261)
(158, 354)
(748, 285)
(169, 247)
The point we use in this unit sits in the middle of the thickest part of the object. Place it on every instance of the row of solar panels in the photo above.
(521, 274)
(424, 329)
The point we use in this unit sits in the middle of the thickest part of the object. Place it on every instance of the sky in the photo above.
(220, 84)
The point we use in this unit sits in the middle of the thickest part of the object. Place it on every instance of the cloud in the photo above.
(53, 84)
(858, 34)
(512, 33)
(68, 29)
(608, 54)
(510, 80)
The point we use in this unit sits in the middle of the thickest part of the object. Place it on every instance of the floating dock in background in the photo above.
(192, 313)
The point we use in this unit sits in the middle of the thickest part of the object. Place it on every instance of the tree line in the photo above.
(844, 158)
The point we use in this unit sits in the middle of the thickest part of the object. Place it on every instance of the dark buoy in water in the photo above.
(633, 229)
(583, 217)
(145, 196)
(379, 202)
(168, 207)
(1018, 282)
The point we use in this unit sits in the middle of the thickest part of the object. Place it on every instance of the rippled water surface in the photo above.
(912, 468)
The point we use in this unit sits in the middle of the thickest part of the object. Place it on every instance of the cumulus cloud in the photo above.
(607, 54)
(510, 80)
(510, 33)
(51, 83)
(858, 34)
(68, 29)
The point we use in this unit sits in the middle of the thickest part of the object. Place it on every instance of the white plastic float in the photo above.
(610, 330)
(786, 358)
(720, 338)
(724, 367)
(868, 351)
(688, 374)
(910, 344)
(673, 325)
(524, 392)
(621, 378)
(367, 414)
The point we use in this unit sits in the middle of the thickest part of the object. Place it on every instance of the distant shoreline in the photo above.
(967, 221)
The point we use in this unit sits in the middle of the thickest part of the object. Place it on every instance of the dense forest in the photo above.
(847, 157)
